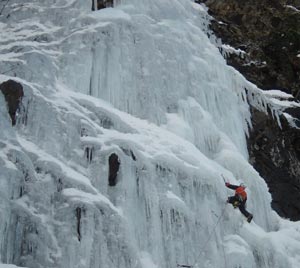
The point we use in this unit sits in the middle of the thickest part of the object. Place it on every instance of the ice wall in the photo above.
(160, 55)
(142, 81)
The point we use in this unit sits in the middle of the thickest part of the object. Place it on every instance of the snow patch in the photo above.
(292, 8)
(147, 261)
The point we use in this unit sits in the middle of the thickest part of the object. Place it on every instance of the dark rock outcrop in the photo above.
(102, 4)
(114, 165)
(13, 93)
(269, 33)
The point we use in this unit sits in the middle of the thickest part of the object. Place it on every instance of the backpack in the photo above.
(241, 193)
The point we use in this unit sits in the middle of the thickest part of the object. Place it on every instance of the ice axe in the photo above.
(223, 178)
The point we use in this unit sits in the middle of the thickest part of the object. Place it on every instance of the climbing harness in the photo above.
(236, 204)
(206, 242)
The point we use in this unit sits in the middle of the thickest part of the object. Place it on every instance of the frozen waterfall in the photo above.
(129, 117)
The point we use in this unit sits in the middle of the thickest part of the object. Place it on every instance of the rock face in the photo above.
(275, 154)
(269, 33)
(13, 93)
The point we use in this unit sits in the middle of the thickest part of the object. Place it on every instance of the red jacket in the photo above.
(239, 191)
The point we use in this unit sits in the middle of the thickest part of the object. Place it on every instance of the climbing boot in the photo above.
(250, 217)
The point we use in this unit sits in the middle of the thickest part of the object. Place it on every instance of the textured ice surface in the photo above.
(145, 82)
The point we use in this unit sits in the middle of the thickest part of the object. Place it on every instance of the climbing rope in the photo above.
(205, 243)
(224, 256)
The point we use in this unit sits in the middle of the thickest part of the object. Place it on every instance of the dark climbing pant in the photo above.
(240, 204)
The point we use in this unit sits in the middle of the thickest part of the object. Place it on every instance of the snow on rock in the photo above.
(292, 8)
(291, 120)
(227, 50)
(143, 83)
(278, 94)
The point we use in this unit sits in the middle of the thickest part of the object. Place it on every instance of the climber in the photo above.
(239, 199)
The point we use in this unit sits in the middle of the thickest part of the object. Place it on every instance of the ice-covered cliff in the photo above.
(129, 117)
